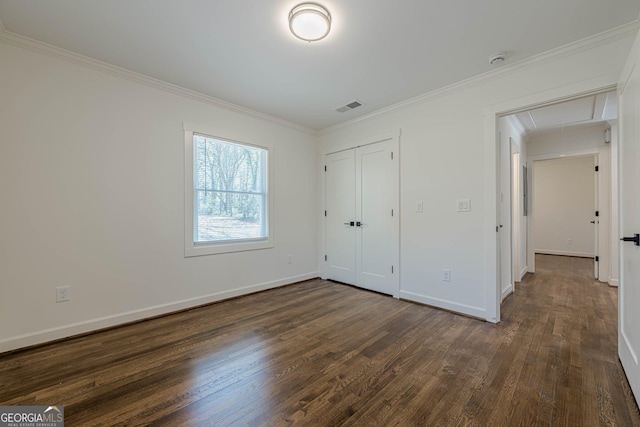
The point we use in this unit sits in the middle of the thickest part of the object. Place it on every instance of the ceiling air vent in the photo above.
(348, 107)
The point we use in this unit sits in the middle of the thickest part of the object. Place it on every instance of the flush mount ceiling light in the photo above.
(309, 22)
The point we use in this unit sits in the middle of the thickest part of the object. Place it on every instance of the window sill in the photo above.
(223, 248)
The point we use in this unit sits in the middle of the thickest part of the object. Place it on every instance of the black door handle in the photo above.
(593, 222)
(635, 239)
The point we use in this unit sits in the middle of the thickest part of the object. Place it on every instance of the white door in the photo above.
(629, 169)
(340, 215)
(362, 217)
(376, 188)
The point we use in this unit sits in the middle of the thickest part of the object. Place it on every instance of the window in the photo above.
(228, 199)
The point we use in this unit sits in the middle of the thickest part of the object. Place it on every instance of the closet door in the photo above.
(340, 205)
(376, 210)
(362, 233)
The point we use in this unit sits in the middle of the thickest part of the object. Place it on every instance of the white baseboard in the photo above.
(613, 282)
(20, 341)
(564, 253)
(508, 291)
(445, 304)
(522, 273)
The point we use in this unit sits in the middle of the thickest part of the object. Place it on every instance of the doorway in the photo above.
(542, 139)
(565, 207)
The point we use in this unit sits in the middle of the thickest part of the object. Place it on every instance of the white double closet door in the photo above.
(362, 218)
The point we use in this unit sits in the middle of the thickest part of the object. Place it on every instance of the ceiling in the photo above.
(584, 111)
(379, 52)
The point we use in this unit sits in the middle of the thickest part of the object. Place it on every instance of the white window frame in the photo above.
(192, 249)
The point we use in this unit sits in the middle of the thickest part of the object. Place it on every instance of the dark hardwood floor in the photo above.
(321, 353)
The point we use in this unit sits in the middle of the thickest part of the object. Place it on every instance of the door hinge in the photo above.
(325, 213)
(325, 168)
(325, 257)
(597, 259)
(392, 155)
(391, 212)
(497, 229)
(597, 213)
(392, 269)
(597, 168)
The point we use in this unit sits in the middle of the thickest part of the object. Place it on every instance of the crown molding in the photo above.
(17, 40)
(517, 124)
(600, 39)
(606, 37)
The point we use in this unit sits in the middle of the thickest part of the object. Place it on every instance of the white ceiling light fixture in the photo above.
(309, 22)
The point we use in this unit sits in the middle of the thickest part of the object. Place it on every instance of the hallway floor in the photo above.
(567, 324)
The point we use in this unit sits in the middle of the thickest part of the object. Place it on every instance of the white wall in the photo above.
(92, 190)
(579, 142)
(445, 156)
(564, 205)
(576, 141)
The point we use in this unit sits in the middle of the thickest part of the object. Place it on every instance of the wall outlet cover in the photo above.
(446, 275)
(63, 293)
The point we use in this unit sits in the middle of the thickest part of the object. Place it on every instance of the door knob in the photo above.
(635, 239)
(350, 224)
(593, 222)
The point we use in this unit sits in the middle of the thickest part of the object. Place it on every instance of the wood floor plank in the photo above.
(323, 353)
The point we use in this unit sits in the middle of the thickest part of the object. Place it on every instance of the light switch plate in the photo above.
(419, 207)
(464, 205)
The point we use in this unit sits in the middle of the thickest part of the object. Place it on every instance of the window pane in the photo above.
(225, 166)
(230, 191)
(229, 216)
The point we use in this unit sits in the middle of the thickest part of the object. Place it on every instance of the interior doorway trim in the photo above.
(594, 152)
(492, 171)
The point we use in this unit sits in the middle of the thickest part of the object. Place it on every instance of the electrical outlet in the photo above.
(289, 257)
(63, 293)
(446, 275)
(419, 207)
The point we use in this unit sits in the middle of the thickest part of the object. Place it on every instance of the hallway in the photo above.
(567, 360)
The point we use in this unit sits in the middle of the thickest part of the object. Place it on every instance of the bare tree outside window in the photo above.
(230, 191)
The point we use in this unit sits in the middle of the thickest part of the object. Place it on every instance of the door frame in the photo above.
(492, 172)
(516, 195)
(531, 170)
(394, 137)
